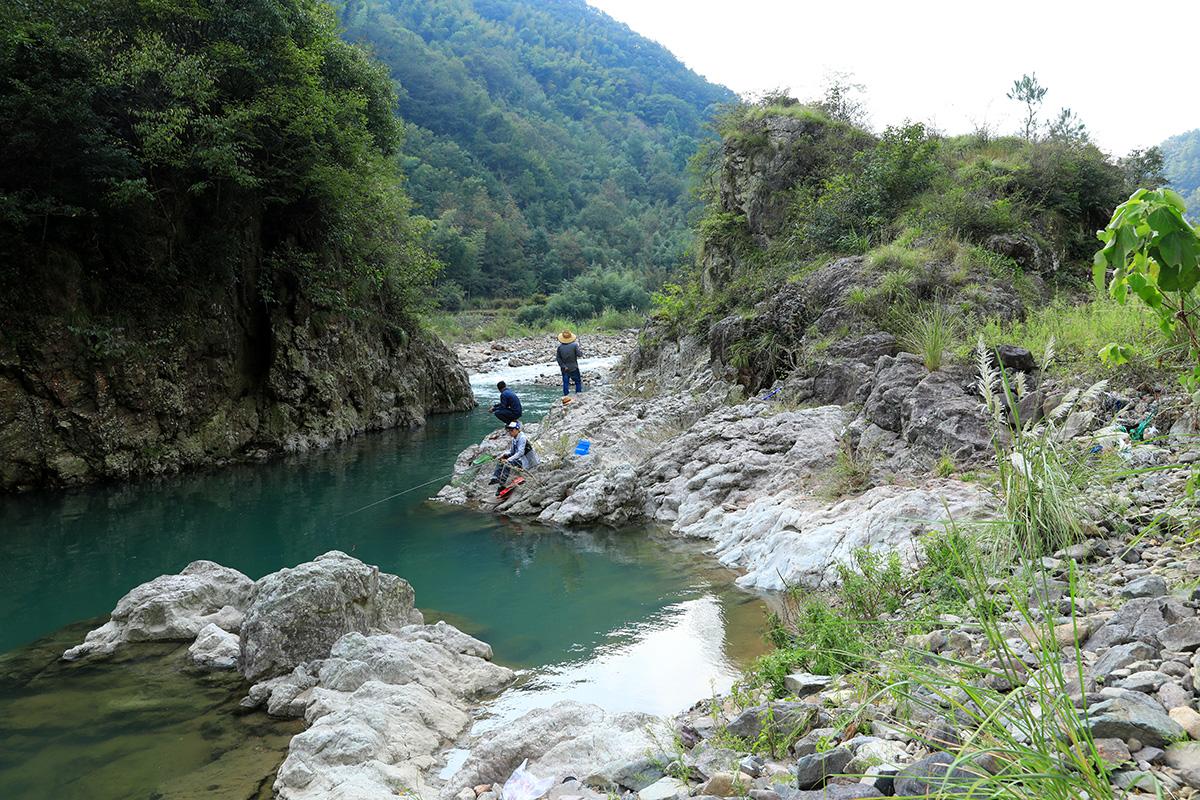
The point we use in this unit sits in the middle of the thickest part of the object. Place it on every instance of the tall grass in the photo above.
(931, 331)
(1040, 478)
(1027, 743)
(1080, 330)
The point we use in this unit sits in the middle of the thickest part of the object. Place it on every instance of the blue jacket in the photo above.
(509, 400)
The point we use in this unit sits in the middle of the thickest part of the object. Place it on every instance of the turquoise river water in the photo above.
(627, 619)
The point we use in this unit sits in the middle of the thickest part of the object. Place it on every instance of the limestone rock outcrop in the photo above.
(568, 739)
(295, 615)
(172, 608)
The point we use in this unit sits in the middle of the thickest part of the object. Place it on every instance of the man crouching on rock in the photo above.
(520, 454)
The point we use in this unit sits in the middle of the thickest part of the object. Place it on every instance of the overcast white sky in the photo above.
(1120, 65)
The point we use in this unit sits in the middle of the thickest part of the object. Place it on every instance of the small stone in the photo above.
(802, 683)
(933, 774)
(751, 765)
(1149, 586)
(1185, 757)
(663, 789)
(1122, 655)
(481, 788)
(1150, 755)
(1173, 695)
(1113, 752)
(1188, 719)
(814, 770)
(719, 785)
(1147, 681)
(466, 793)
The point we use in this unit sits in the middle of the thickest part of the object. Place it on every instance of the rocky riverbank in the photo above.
(230, 385)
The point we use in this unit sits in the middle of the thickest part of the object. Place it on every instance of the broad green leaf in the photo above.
(1173, 197)
(1114, 355)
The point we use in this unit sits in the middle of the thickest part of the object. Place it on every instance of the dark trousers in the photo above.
(501, 472)
(572, 375)
(506, 415)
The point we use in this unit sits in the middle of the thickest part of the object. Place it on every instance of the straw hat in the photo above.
(566, 337)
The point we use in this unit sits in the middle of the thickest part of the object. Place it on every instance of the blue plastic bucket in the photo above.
(583, 447)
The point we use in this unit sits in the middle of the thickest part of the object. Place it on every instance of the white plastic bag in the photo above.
(524, 785)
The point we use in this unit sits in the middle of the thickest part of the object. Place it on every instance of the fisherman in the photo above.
(520, 454)
(568, 356)
(509, 408)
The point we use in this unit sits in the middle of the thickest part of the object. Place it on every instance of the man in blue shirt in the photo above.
(509, 408)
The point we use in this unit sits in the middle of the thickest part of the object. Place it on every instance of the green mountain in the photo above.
(1181, 156)
(544, 138)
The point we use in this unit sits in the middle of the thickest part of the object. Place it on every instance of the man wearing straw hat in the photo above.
(568, 361)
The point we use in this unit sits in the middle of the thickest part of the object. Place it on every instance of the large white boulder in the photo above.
(295, 615)
(378, 709)
(172, 608)
(568, 739)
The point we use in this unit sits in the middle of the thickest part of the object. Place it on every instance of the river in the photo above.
(626, 619)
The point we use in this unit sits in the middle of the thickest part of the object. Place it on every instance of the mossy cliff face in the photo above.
(223, 382)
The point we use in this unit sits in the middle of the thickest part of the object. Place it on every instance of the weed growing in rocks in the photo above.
(932, 330)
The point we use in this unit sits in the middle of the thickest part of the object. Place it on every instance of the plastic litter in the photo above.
(583, 448)
(524, 785)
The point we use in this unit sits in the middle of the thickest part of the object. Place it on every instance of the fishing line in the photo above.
(477, 463)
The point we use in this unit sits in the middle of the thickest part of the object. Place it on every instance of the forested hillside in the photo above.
(544, 139)
(1181, 155)
(206, 251)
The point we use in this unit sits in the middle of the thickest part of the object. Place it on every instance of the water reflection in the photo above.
(659, 665)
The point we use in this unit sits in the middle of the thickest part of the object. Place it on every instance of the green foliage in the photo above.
(1181, 163)
(873, 584)
(816, 637)
(1153, 252)
(1040, 478)
(1079, 331)
(168, 145)
(1027, 91)
(545, 139)
(590, 296)
(932, 330)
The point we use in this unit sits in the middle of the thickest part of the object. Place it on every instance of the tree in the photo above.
(1028, 91)
(1154, 252)
(1067, 127)
(842, 99)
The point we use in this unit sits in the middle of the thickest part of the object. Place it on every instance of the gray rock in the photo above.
(1173, 695)
(640, 772)
(663, 789)
(1147, 681)
(1140, 619)
(172, 608)
(1185, 757)
(813, 771)
(214, 648)
(1182, 636)
(802, 683)
(1016, 358)
(295, 615)
(568, 738)
(934, 774)
(1149, 586)
(1122, 656)
(1132, 715)
(787, 719)
(841, 791)
(1113, 752)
